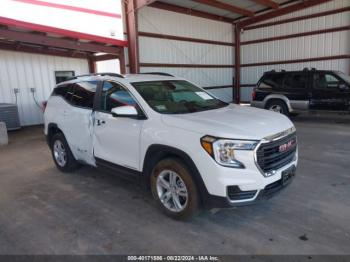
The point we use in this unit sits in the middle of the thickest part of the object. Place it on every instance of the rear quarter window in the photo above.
(271, 81)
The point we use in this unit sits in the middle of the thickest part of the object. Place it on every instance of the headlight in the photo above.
(223, 150)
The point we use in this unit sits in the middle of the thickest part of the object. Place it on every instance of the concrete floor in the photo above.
(43, 211)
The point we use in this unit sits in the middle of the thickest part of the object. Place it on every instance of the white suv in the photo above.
(189, 147)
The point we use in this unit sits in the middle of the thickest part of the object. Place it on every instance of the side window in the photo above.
(65, 91)
(325, 81)
(272, 81)
(114, 95)
(84, 93)
(296, 81)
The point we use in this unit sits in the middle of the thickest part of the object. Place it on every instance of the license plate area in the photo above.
(287, 175)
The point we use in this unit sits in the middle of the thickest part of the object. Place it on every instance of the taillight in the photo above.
(253, 95)
(44, 105)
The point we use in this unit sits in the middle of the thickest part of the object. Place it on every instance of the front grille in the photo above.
(276, 154)
(234, 193)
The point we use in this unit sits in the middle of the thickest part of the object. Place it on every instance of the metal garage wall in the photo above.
(25, 71)
(156, 50)
(321, 45)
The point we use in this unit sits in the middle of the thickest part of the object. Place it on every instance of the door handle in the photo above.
(100, 122)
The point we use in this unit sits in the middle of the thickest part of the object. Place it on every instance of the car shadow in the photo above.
(133, 194)
(322, 118)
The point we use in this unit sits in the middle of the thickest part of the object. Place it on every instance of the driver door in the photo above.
(116, 139)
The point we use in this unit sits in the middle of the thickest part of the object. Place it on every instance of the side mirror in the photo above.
(125, 111)
(343, 86)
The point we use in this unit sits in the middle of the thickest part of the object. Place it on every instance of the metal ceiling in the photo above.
(245, 4)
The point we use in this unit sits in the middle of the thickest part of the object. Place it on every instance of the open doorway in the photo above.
(112, 66)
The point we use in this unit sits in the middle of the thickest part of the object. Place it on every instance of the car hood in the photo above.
(233, 121)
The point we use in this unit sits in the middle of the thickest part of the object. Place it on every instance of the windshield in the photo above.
(345, 77)
(176, 97)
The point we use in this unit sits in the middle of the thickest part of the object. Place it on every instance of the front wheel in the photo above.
(278, 106)
(174, 189)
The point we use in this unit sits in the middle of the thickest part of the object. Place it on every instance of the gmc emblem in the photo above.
(285, 147)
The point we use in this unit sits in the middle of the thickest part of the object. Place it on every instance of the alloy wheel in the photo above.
(60, 153)
(172, 191)
(276, 108)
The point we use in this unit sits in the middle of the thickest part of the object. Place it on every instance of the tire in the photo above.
(62, 155)
(180, 199)
(278, 106)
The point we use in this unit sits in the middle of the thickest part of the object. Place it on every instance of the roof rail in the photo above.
(110, 74)
(97, 74)
(157, 73)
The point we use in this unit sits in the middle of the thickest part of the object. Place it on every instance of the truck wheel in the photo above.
(174, 189)
(62, 155)
(278, 106)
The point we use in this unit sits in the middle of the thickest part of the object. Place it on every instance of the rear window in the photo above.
(271, 81)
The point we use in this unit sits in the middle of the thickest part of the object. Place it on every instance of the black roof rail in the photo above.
(97, 74)
(313, 69)
(110, 74)
(157, 73)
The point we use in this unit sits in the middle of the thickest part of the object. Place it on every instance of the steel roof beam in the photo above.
(42, 40)
(282, 11)
(14, 46)
(189, 11)
(141, 3)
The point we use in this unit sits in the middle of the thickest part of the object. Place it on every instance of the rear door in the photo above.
(297, 89)
(78, 125)
(327, 92)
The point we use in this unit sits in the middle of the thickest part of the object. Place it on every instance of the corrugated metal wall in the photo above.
(329, 44)
(25, 71)
(155, 50)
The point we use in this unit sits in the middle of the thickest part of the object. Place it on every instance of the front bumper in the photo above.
(251, 196)
(235, 187)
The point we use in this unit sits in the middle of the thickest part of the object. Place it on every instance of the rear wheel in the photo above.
(174, 189)
(62, 155)
(278, 106)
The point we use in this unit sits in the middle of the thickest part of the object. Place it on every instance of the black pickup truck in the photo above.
(300, 91)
